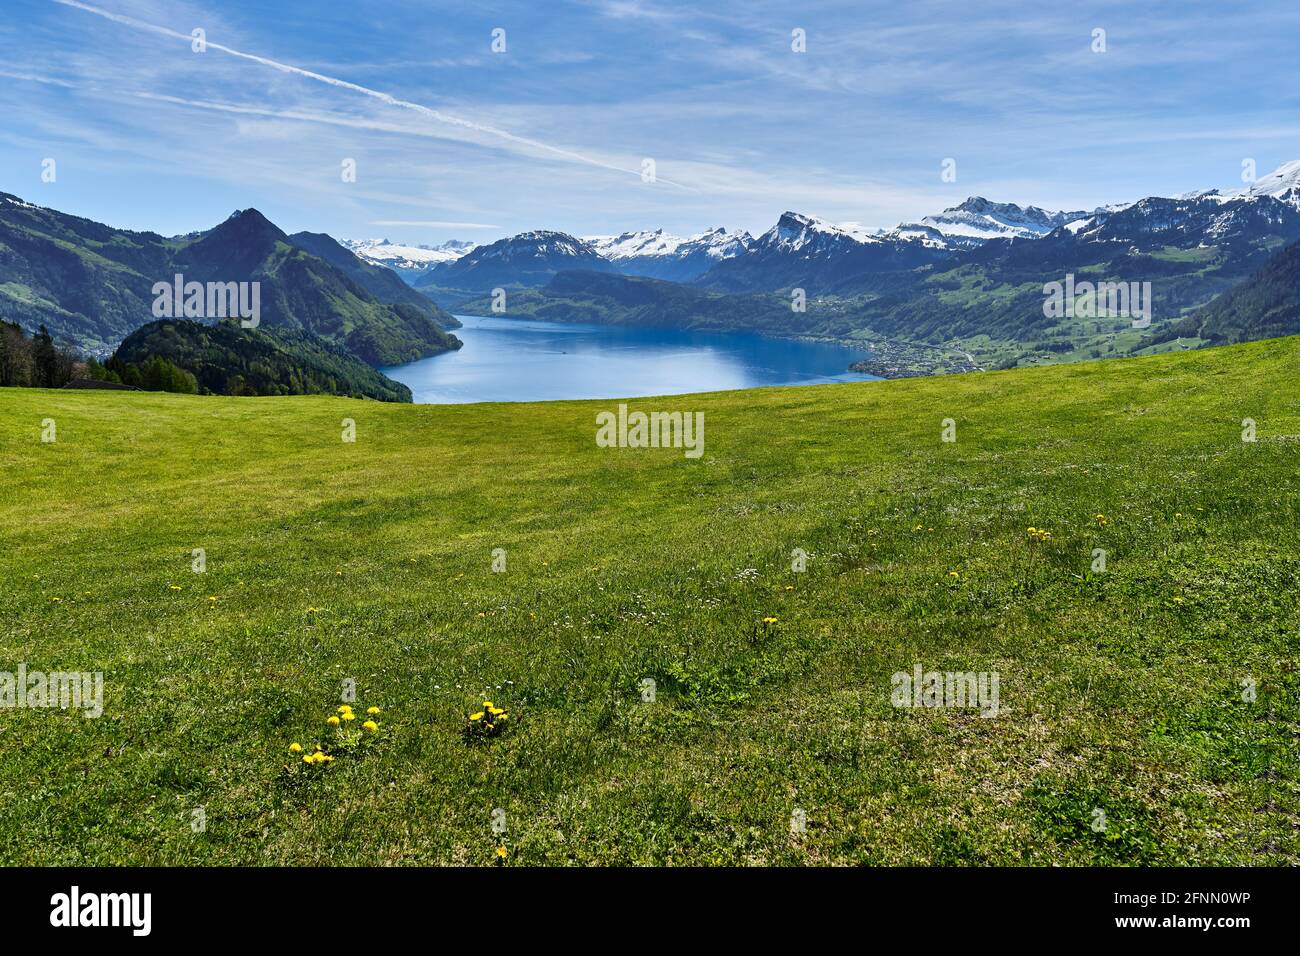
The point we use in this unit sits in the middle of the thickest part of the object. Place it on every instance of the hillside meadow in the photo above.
(1148, 712)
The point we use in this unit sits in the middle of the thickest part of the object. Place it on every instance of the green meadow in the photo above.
(1148, 712)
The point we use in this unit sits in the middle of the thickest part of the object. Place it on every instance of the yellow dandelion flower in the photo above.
(344, 709)
(333, 721)
(478, 716)
(769, 620)
(501, 852)
(349, 716)
(370, 725)
(372, 710)
(295, 748)
(306, 758)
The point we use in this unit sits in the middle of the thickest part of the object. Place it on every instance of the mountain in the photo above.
(229, 360)
(87, 282)
(806, 252)
(409, 262)
(977, 220)
(1282, 184)
(92, 284)
(302, 291)
(660, 255)
(527, 260)
(1266, 305)
(991, 299)
(380, 281)
(610, 298)
(970, 282)
(1190, 222)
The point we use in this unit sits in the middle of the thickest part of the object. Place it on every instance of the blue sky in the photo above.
(452, 140)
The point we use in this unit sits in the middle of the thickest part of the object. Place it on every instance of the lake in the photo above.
(526, 360)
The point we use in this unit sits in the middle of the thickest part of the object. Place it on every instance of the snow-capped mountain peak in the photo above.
(795, 232)
(406, 258)
(659, 254)
(1282, 183)
(977, 220)
(537, 243)
(717, 243)
(632, 244)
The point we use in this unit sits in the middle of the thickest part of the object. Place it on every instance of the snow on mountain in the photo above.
(662, 255)
(977, 220)
(1282, 183)
(407, 259)
(528, 259)
(808, 236)
(540, 243)
(1076, 226)
(800, 238)
(715, 243)
(632, 245)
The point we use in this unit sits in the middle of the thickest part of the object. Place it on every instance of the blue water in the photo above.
(525, 360)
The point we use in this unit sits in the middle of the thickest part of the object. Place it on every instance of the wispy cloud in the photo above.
(446, 134)
(433, 114)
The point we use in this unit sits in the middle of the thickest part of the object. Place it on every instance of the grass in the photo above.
(1120, 692)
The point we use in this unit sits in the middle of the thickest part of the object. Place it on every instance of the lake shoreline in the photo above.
(527, 359)
(881, 358)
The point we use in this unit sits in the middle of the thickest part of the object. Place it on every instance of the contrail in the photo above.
(437, 115)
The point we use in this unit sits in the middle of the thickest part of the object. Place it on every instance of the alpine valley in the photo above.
(953, 291)
(959, 290)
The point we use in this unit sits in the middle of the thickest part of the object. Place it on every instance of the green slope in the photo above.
(229, 360)
(611, 299)
(381, 282)
(303, 291)
(91, 284)
(370, 561)
(1268, 303)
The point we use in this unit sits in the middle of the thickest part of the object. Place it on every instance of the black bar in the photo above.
(371, 906)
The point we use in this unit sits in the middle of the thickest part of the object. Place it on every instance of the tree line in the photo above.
(39, 362)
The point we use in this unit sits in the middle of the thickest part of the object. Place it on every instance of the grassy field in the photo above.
(1124, 694)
